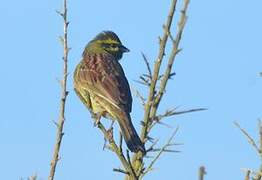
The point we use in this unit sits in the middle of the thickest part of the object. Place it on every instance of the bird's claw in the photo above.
(97, 118)
(110, 134)
(109, 137)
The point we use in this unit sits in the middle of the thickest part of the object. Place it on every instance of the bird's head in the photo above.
(108, 41)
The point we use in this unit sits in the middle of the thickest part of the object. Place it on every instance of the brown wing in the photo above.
(103, 75)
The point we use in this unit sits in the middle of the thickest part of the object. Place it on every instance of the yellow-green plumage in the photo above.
(101, 85)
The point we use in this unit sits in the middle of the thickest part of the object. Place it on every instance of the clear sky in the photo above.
(217, 69)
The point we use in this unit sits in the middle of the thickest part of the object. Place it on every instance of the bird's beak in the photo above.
(124, 49)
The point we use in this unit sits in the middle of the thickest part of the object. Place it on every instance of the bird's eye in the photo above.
(113, 45)
(105, 45)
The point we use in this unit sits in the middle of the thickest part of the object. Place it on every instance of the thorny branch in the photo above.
(118, 151)
(151, 80)
(64, 93)
(169, 113)
(249, 138)
(157, 65)
(163, 149)
(257, 175)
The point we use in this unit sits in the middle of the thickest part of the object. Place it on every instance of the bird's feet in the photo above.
(110, 134)
(96, 117)
(111, 126)
(109, 137)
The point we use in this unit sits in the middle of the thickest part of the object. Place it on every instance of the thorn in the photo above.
(67, 92)
(179, 50)
(147, 65)
(67, 74)
(147, 156)
(146, 75)
(175, 144)
(164, 124)
(120, 170)
(150, 139)
(61, 39)
(104, 146)
(56, 124)
(171, 75)
(152, 146)
(159, 40)
(143, 83)
(60, 13)
(142, 123)
(171, 151)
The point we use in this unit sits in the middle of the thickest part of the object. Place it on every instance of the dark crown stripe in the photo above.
(107, 35)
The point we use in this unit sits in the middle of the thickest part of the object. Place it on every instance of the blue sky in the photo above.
(217, 69)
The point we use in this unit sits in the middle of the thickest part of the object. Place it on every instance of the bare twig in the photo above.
(157, 66)
(257, 175)
(129, 161)
(152, 146)
(175, 50)
(155, 97)
(173, 112)
(120, 142)
(117, 150)
(249, 138)
(64, 93)
(201, 173)
(260, 139)
(158, 119)
(121, 171)
(139, 96)
(147, 65)
(163, 149)
(143, 82)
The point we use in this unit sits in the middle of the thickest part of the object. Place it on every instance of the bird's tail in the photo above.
(130, 135)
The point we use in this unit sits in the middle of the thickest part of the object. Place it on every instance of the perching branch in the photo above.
(64, 93)
(151, 81)
(118, 151)
(175, 51)
(157, 65)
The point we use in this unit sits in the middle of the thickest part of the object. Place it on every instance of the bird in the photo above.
(101, 85)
